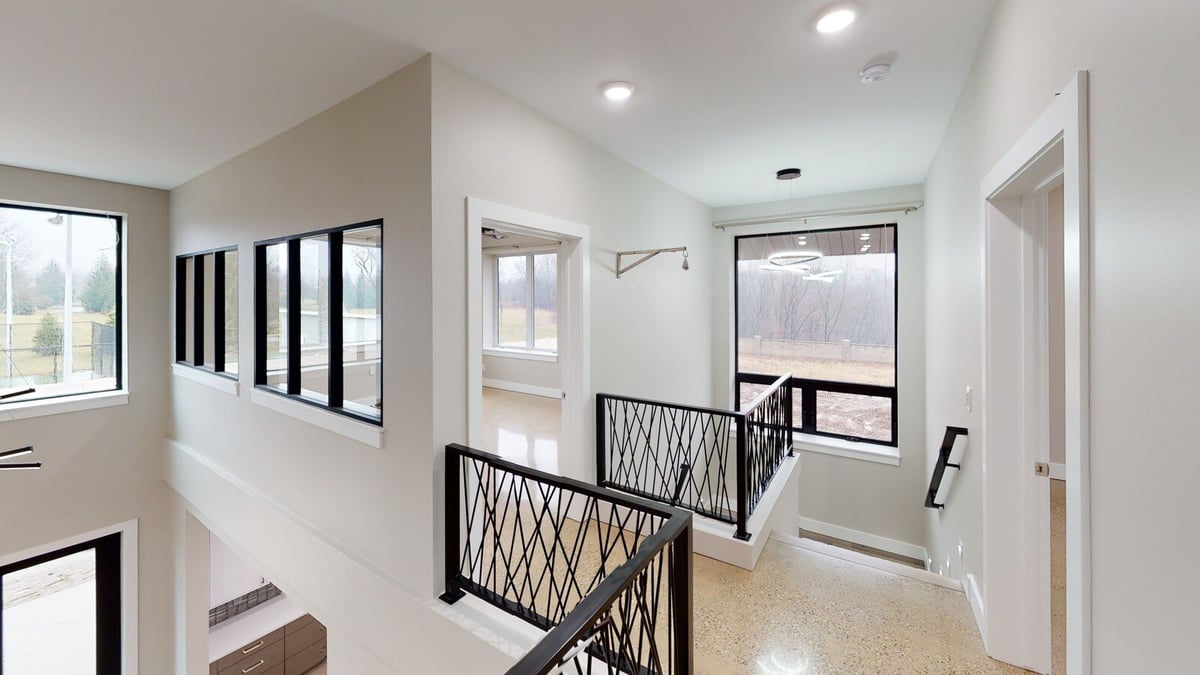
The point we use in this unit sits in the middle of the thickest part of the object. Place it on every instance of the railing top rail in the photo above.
(762, 396)
(664, 404)
(612, 496)
(560, 639)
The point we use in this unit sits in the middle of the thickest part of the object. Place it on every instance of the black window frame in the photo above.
(119, 305)
(109, 610)
(219, 366)
(809, 388)
(334, 400)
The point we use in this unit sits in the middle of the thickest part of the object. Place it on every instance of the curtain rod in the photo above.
(906, 207)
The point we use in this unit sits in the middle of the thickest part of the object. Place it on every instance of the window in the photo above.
(60, 283)
(206, 311)
(527, 302)
(318, 318)
(821, 305)
(70, 600)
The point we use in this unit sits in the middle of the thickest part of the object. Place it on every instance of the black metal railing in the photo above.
(943, 462)
(607, 575)
(714, 462)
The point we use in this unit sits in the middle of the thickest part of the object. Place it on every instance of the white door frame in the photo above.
(573, 317)
(1015, 430)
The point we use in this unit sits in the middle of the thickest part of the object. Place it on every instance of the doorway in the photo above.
(1035, 390)
(527, 350)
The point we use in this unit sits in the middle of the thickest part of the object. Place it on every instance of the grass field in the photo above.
(819, 369)
(28, 362)
(512, 328)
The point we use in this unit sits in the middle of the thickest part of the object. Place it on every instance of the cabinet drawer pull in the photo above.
(248, 650)
(253, 667)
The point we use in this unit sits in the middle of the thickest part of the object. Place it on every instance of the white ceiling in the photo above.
(155, 92)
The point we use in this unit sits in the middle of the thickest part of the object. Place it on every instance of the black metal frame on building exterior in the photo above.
(809, 387)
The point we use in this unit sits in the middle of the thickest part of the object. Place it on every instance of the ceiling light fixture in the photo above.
(789, 258)
(836, 17)
(618, 91)
(19, 452)
(791, 173)
(864, 236)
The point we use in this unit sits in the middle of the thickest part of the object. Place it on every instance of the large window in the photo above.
(822, 305)
(60, 290)
(60, 613)
(318, 318)
(527, 302)
(206, 311)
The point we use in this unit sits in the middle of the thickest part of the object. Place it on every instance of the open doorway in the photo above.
(1035, 601)
(522, 372)
(504, 311)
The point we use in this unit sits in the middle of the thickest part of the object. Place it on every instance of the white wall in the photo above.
(1145, 289)
(102, 467)
(650, 330)
(229, 576)
(873, 498)
(345, 528)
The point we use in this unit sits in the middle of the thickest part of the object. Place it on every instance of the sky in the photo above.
(38, 241)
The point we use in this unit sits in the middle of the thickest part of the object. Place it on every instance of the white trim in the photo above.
(523, 354)
(207, 378)
(1014, 378)
(548, 392)
(865, 538)
(897, 568)
(363, 432)
(574, 274)
(971, 589)
(129, 580)
(498, 251)
(1058, 471)
(714, 538)
(868, 452)
(66, 404)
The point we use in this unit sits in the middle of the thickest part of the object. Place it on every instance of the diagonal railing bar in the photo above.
(604, 573)
(717, 463)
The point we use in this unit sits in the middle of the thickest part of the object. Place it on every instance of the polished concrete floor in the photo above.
(522, 428)
(1058, 576)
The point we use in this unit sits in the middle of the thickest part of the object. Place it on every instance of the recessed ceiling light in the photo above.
(618, 91)
(836, 17)
(864, 236)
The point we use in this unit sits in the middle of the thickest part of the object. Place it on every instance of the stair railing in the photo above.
(943, 463)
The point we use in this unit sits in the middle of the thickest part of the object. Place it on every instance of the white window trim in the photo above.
(525, 354)
(129, 581)
(218, 381)
(65, 404)
(530, 308)
(363, 432)
(869, 452)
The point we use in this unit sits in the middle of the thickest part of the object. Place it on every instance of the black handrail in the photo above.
(943, 461)
(652, 438)
(613, 606)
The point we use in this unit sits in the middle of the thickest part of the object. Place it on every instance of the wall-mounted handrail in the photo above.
(943, 462)
(682, 454)
(609, 576)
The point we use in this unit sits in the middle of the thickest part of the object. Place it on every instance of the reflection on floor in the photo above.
(803, 612)
(1058, 576)
(522, 428)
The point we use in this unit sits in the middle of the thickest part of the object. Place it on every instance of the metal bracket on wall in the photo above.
(646, 255)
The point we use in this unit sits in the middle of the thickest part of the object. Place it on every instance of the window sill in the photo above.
(19, 411)
(222, 383)
(868, 452)
(363, 432)
(520, 354)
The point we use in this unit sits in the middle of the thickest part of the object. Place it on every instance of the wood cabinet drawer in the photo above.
(299, 623)
(259, 661)
(250, 649)
(306, 659)
(304, 638)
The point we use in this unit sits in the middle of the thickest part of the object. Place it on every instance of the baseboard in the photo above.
(1058, 471)
(864, 538)
(971, 590)
(882, 564)
(548, 392)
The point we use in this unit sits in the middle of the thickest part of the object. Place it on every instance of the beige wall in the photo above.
(1145, 287)
(102, 467)
(872, 498)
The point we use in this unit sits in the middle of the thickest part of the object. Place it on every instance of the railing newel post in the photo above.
(743, 498)
(453, 565)
(684, 643)
(601, 441)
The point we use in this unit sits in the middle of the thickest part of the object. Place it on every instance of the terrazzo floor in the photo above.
(1058, 576)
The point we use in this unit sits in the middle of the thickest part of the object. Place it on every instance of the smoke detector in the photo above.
(875, 73)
